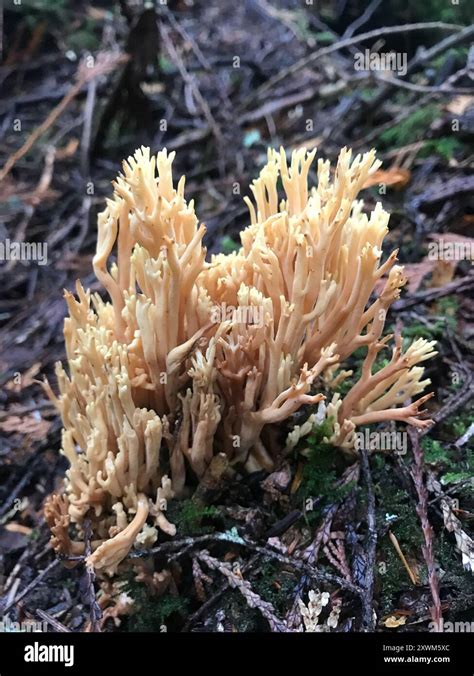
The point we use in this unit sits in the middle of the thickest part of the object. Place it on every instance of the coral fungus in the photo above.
(191, 358)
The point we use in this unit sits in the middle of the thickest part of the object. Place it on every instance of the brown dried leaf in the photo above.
(396, 177)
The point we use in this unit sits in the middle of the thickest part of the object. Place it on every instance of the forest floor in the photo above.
(219, 83)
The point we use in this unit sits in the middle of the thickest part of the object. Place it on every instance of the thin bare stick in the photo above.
(190, 80)
(368, 619)
(362, 19)
(84, 75)
(401, 556)
(341, 44)
(236, 581)
(34, 583)
(417, 473)
(94, 608)
(393, 81)
(458, 285)
(52, 621)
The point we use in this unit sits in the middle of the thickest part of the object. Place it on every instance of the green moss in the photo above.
(427, 10)
(446, 311)
(320, 473)
(460, 53)
(188, 516)
(454, 464)
(242, 618)
(272, 585)
(52, 11)
(228, 245)
(34, 534)
(445, 146)
(152, 614)
(275, 586)
(455, 477)
(166, 66)
(415, 127)
(392, 575)
(457, 425)
(434, 452)
(418, 330)
(344, 387)
(396, 502)
(448, 305)
(394, 506)
(367, 93)
(79, 33)
(412, 128)
(321, 432)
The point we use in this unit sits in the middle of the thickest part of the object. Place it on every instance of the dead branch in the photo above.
(236, 581)
(459, 285)
(84, 75)
(341, 44)
(417, 473)
(89, 576)
(368, 619)
(32, 585)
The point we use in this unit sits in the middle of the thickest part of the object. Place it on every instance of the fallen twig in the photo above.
(347, 42)
(89, 576)
(458, 285)
(13, 495)
(53, 622)
(401, 556)
(456, 401)
(34, 583)
(236, 581)
(187, 544)
(422, 57)
(84, 75)
(247, 566)
(362, 19)
(368, 619)
(417, 472)
(190, 80)
(393, 81)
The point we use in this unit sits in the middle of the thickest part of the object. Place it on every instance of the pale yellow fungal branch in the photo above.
(188, 359)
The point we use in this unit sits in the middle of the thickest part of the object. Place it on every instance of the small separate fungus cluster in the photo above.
(191, 358)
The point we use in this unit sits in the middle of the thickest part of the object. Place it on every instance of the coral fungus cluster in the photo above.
(191, 358)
